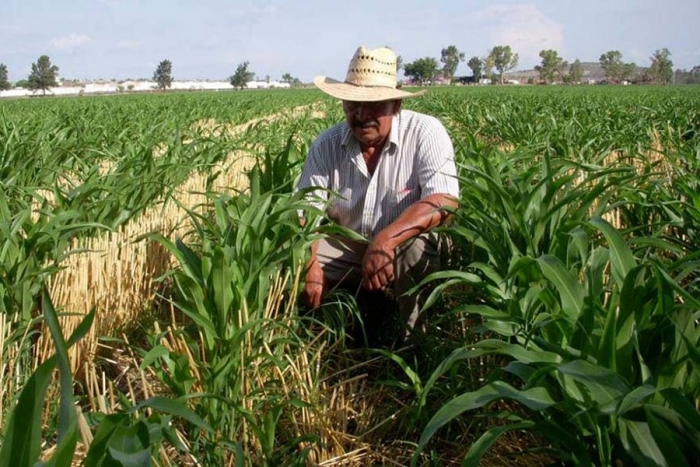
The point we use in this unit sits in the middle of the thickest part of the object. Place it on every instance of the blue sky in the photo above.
(206, 39)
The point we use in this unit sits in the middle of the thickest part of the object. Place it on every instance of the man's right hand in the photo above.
(315, 286)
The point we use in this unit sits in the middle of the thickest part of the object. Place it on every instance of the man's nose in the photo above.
(363, 112)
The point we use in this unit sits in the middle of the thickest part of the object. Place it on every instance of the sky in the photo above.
(207, 39)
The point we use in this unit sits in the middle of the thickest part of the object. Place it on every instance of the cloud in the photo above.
(70, 42)
(523, 27)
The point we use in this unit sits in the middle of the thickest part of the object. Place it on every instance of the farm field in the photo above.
(151, 258)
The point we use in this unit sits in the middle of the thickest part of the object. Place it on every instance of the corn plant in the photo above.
(224, 286)
(121, 439)
(620, 384)
(602, 345)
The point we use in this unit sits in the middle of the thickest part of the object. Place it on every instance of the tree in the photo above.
(503, 59)
(576, 72)
(661, 69)
(451, 58)
(682, 76)
(552, 67)
(628, 71)
(488, 67)
(23, 83)
(476, 65)
(43, 75)
(694, 75)
(615, 69)
(4, 82)
(399, 63)
(163, 75)
(611, 62)
(422, 70)
(241, 77)
(287, 78)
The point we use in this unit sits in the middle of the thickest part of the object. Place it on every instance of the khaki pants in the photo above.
(341, 261)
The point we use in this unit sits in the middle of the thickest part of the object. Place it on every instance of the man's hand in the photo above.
(378, 266)
(315, 286)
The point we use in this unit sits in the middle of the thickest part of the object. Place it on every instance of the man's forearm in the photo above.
(419, 217)
(313, 259)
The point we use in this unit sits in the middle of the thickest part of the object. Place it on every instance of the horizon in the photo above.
(122, 39)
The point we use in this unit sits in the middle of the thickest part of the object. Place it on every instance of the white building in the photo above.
(113, 87)
(266, 85)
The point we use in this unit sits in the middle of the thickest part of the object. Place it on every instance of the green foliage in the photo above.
(450, 57)
(121, 439)
(422, 71)
(661, 69)
(4, 81)
(575, 72)
(163, 75)
(477, 65)
(242, 75)
(287, 78)
(126, 439)
(584, 335)
(552, 66)
(22, 435)
(687, 77)
(227, 285)
(598, 330)
(503, 59)
(42, 210)
(615, 69)
(43, 74)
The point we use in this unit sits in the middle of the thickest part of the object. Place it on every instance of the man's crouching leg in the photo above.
(427, 253)
(341, 262)
(386, 322)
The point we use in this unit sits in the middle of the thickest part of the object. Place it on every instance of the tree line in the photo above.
(44, 75)
(493, 67)
(552, 68)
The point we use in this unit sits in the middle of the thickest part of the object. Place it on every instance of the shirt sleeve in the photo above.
(437, 172)
(315, 175)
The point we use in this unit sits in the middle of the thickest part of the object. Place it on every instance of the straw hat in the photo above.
(371, 77)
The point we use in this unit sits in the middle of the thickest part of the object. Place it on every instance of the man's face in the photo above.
(370, 122)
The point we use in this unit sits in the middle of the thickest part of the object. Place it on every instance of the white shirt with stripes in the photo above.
(417, 161)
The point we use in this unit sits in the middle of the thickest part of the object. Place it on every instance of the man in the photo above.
(394, 175)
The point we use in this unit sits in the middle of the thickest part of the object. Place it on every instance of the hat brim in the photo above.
(350, 92)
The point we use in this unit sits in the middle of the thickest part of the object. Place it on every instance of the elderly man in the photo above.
(394, 174)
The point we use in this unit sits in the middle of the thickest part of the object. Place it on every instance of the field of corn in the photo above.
(151, 260)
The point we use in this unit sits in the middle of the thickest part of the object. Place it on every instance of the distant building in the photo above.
(114, 87)
(267, 85)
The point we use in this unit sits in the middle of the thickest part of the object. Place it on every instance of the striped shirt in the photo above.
(417, 161)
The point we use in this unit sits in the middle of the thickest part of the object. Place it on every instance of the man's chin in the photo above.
(366, 135)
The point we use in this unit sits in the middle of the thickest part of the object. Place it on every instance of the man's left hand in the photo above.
(378, 266)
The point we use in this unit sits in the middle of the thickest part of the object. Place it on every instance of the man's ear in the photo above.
(397, 106)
